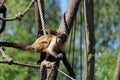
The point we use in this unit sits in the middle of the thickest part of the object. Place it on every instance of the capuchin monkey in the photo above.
(50, 44)
(3, 10)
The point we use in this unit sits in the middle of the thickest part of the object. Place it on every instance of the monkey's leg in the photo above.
(15, 45)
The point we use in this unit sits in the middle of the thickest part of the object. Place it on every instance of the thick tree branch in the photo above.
(89, 59)
(69, 16)
(67, 24)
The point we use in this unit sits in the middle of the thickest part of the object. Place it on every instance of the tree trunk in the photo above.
(117, 71)
(89, 58)
(37, 18)
(69, 16)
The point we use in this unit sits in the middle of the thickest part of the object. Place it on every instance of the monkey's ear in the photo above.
(40, 33)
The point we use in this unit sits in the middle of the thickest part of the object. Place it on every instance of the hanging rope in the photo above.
(41, 16)
(81, 39)
(18, 16)
(70, 46)
(43, 72)
(74, 37)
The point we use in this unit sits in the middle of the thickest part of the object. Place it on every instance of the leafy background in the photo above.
(107, 22)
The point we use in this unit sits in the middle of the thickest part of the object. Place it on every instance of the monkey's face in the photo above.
(62, 38)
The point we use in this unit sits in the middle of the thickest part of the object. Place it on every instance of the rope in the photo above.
(70, 46)
(20, 64)
(66, 75)
(32, 66)
(41, 16)
(43, 72)
(81, 39)
(18, 16)
(5, 56)
(74, 37)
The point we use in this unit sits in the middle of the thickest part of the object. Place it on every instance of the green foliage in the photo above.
(105, 66)
(106, 19)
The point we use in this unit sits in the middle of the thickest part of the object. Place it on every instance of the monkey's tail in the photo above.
(16, 45)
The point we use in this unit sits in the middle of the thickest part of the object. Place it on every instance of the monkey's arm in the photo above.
(15, 45)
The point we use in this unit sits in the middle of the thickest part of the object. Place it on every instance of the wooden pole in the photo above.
(89, 56)
(37, 18)
(38, 28)
(117, 71)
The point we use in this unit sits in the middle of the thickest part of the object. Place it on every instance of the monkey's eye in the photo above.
(59, 40)
(62, 37)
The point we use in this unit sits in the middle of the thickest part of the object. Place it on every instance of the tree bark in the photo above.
(37, 18)
(68, 19)
(69, 16)
(89, 58)
(117, 71)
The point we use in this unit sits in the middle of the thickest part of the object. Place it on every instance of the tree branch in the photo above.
(89, 58)
(69, 16)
